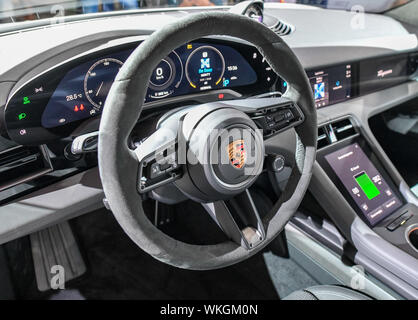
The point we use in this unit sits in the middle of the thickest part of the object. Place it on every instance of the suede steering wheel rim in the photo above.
(118, 164)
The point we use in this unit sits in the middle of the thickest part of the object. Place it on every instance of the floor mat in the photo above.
(286, 275)
(118, 269)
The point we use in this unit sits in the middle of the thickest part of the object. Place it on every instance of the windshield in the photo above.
(12, 11)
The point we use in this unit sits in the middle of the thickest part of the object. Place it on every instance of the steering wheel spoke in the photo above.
(158, 160)
(272, 115)
(238, 218)
(281, 150)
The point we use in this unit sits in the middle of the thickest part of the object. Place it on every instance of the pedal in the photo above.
(56, 246)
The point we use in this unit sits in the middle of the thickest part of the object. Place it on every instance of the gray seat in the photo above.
(327, 292)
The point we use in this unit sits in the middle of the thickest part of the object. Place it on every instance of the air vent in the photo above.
(20, 164)
(343, 129)
(282, 28)
(334, 132)
(322, 138)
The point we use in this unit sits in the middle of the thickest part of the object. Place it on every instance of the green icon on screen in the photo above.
(22, 116)
(26, 100)
(367, 185)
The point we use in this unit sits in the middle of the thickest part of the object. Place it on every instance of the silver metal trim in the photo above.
(332, 263)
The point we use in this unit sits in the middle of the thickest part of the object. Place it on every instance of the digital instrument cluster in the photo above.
(192, 68)
(53, 104)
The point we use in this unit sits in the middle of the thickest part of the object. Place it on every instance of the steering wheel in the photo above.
(222, 187)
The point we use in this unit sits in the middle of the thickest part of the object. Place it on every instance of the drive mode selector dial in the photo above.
(205, 68)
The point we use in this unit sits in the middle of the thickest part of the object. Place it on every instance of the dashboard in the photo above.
(52, 104)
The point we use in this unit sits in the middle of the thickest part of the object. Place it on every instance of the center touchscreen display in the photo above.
(364, 183)
(330, 85)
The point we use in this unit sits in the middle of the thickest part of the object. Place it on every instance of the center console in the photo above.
(348, 160)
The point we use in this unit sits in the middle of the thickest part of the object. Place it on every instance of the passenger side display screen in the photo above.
(381, 73)
(330, 85)
(364, 183)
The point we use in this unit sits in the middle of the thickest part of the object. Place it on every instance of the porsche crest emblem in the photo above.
(236, 153)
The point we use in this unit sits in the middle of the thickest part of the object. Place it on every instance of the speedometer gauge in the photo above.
(99, 79)
(205, 68)
(166, 77)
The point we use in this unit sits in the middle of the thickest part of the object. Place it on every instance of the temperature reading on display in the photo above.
(74, 96)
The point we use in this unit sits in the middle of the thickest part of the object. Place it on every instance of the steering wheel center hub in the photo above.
(233, 155)
(225, 153)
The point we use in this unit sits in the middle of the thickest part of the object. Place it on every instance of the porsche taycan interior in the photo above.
(209, 150)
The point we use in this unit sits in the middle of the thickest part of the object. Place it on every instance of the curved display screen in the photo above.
(192, 68)
(377, 74)
(53, 104)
